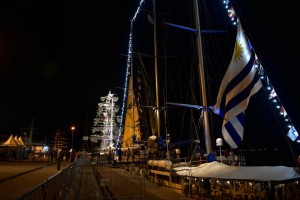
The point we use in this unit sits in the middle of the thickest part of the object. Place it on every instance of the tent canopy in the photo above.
(11, 141)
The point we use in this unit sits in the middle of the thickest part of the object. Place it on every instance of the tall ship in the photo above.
(194, 85)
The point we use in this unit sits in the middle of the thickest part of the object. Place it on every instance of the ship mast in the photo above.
(202, 80)
(157, 113)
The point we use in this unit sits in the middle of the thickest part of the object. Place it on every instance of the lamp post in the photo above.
(219, 143)
(168, 142)
(72, 129)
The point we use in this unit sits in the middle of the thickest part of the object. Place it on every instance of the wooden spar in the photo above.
(157, 114)
(202, 80)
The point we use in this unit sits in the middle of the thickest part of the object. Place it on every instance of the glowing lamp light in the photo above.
(219, 142)
(72, 129)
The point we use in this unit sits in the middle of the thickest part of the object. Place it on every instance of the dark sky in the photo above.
(271, 27)
(58, 58)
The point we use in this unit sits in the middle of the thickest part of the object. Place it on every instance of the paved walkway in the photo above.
(14, 180)
(126, 185)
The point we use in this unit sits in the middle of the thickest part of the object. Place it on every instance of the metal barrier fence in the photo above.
(62, 185)
(109, 179)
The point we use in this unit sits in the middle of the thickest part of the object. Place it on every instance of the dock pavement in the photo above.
(15, 181)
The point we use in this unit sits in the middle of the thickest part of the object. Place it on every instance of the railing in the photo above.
(61, 185)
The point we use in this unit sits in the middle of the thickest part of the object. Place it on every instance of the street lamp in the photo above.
(72, 129)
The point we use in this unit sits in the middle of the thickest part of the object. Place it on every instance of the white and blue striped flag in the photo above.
(238, 85)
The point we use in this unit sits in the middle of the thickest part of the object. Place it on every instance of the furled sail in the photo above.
(132, 131)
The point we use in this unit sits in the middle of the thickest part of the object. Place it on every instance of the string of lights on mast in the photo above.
(128, 64)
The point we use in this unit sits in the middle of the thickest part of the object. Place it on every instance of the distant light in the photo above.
(45, 149)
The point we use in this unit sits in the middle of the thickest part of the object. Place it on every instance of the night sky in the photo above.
(271, 30)
(57, 59)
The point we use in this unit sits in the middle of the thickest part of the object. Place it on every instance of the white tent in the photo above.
(223, 171)
(17, 140)
(21, 141)
(10, 141)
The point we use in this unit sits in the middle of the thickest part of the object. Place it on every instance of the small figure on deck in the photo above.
(186, 188)
(51, 155)
(120, 154)
(128, 154)
(195, 190)
(59, 158)
(72, 155)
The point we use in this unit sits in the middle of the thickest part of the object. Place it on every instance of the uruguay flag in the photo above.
(238, 85)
